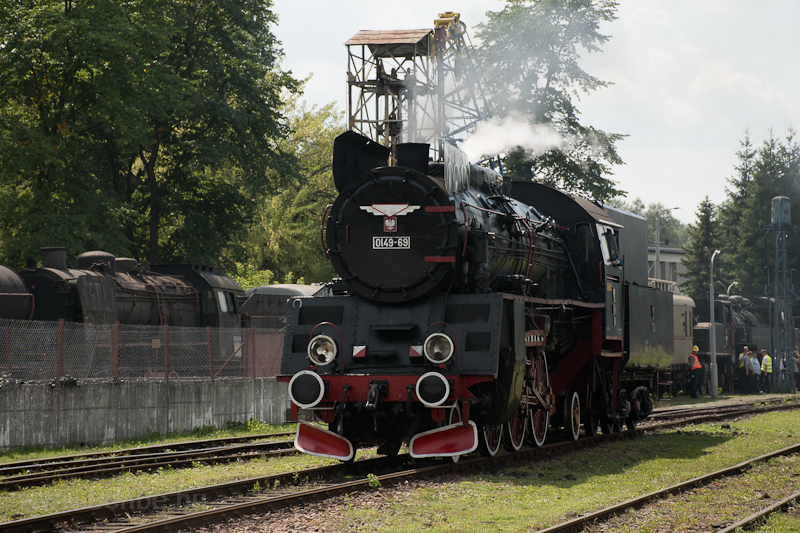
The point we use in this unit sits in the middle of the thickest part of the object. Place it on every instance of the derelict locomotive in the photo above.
(103, 289)
(468, 312)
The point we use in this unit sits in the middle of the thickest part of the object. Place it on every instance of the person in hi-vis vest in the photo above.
(766, 371)
(695, 371)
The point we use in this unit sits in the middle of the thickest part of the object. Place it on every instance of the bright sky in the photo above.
(690, 76)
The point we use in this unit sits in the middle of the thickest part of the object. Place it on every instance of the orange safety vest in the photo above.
(696, 364)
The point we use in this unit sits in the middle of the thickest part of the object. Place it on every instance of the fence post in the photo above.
(210, 353)
(8, 349)
(115, 350)
(252, 351)
(246, 370)
(166, 352)
(60, 353)
(253, 356)
(59, 374)
(166, 374)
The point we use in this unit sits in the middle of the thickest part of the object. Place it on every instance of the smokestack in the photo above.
(55, 257)
(413, 156)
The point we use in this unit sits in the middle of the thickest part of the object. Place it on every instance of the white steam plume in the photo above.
(500, 135)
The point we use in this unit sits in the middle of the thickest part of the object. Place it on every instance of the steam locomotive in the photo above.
(103, 289)
(469, 313)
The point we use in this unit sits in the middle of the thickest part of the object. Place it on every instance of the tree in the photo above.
(636, 207)
(730, 211)
(771, 170)
(672, 232)
(286, 237)
(223, 112)
(53, 56)
(703, 240)
(530, 52)
(144, 127)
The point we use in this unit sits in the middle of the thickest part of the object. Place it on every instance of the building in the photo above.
(670, 259)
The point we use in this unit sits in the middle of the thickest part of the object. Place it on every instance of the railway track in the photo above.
(124, 514)
(673, 413)
(16, 475)
(578, 524)
(758, 517)
(213, 504)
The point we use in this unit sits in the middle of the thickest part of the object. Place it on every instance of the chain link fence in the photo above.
(55, 350)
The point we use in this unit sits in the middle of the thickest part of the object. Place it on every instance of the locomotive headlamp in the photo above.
(322, 350)
(433, 389)
(306, 389)
(438, 348)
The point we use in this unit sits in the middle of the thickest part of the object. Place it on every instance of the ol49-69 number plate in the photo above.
(385, 243)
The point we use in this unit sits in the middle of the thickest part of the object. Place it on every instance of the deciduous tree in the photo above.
(672, 231)
(530, 55)
(143, 127)
(286, 237)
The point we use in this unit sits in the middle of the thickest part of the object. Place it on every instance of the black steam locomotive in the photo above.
(469, 312)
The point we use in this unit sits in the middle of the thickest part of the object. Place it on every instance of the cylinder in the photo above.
(781, 211)
(16, 299)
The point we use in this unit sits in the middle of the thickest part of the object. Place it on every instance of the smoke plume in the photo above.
(500, 135)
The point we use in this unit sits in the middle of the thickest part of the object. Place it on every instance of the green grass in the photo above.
(520, 497)
(715, 505)
(253, 427)
(528, 497)
(781, 523)
(71, 494)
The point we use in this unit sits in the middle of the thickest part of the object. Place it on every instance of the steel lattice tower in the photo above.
(417, 86)
(783, 364)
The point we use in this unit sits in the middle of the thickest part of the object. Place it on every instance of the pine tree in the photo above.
(773, 173)
(702, 243)
(730, 212)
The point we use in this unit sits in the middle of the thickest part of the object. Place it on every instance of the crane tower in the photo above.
(414, 85)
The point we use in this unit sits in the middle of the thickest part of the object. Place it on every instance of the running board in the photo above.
(323, 443)
(448, 441)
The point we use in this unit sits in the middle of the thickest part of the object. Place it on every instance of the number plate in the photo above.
(386, 243)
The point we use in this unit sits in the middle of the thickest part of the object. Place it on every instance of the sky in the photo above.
(689, 78)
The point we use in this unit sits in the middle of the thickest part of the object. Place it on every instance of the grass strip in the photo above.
(528, 497)
(233, 429)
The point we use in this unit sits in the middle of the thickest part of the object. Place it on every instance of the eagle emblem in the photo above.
(390, 213)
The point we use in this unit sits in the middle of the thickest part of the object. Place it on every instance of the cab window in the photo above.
(223, 302)
(609, 244)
